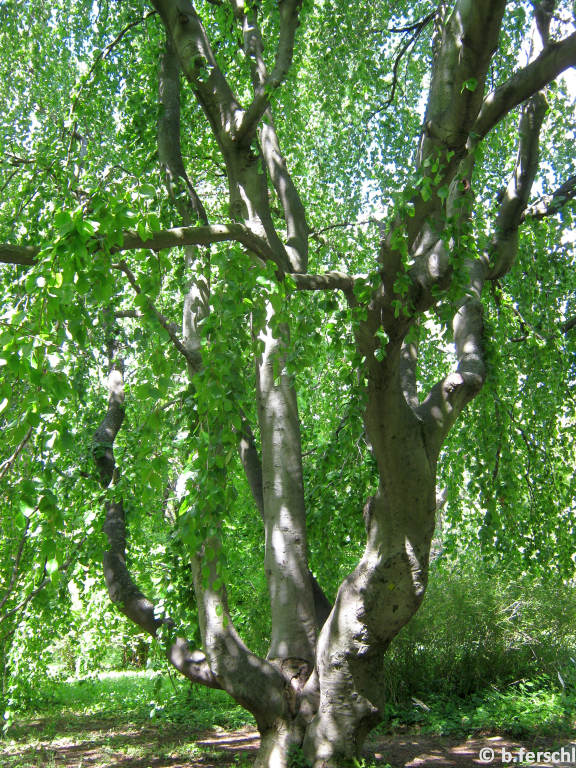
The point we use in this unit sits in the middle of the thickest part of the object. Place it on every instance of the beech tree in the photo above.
(234, 211)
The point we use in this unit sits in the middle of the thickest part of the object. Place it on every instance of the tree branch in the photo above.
(185, 199)
(554, 59)
(7, 465)
(179, 186)
(168, 327)
(450, 395)
(16, 566)
(183, 236)
(104, 53)
(551, 204)
(200, 67)
(505, 244)
(44, 583)
(121, 587)
(289, 21)
(25, 255)
(292, 206)
(416, 30)
(252, 464)
(328, 281)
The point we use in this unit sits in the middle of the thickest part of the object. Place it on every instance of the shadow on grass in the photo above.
(88, 741)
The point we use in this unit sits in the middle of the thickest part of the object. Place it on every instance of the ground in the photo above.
(94, 742)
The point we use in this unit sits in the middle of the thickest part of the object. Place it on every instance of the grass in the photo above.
(150, 720)
(531, 709)
(140, 697)
(133, 718)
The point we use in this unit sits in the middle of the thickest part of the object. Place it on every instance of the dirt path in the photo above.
(84, 742)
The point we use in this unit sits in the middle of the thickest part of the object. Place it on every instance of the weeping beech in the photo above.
(319, 687)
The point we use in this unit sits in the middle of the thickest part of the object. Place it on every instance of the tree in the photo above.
(103, 260)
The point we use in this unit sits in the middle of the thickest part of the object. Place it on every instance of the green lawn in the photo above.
(151, 720)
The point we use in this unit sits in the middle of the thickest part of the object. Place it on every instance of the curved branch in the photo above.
(505, 244)
(417, 28)
(450, 395)
(553, 60)
(122, 590)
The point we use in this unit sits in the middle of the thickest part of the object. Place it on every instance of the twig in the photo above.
(416, 25)
(344, 225)
(45, 581)
(418, 28)
(106, 52)
(168, 327)
(8, 463)
(14, 576)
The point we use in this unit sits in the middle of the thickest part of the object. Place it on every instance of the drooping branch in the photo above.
(551, 204)
(8, 463)
(46, 580)
(505, 243)
(122, 589)
(16, 566)
(168, 327)
(276, 167)
(297, 230)
(416, 26)
(104, 53)
(554, 59)
(183, 236)
(252, 681)
(179, 186)
(186, 200)
(450, 395)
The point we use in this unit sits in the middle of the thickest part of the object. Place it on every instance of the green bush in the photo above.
(484, 627)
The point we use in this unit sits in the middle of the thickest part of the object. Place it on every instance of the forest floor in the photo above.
(89, 742)
(142, 720)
